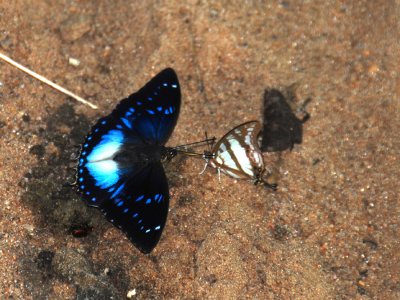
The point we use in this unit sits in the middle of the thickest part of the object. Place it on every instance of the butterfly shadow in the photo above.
(58, 211)
(282, 128)
(56, 208)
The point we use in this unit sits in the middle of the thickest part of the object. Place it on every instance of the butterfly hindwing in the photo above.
(237, 153)
(97, 172)
(140, 208)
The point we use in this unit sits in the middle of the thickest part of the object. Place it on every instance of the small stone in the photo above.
(74, 61)
(26, 118)
(75, 27)
(44, 259)
(131, 293)
(72, 265)
(373, 69)
(38, 150)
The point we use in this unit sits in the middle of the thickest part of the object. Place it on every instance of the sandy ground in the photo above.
(331, 231)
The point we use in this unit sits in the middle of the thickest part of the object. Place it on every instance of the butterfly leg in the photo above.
(205, 167)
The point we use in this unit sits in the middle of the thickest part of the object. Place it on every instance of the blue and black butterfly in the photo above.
(120, 164)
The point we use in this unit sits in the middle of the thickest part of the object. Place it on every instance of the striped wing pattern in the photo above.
(238, 155)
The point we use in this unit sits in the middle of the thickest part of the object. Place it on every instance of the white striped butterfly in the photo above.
(238, 154)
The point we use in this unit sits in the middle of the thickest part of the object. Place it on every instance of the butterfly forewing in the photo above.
(120, 157)
(237, 153)
(152, 112)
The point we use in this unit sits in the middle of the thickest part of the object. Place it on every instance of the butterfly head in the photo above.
(208, 155)
(169, 154)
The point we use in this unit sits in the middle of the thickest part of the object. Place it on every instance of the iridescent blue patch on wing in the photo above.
(139, 198)
(117, 191)
(107, 147)
(127, 123)
(100, 163)
(151, 112)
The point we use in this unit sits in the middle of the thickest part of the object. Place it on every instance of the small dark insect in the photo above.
(80, 231)
(281, 127)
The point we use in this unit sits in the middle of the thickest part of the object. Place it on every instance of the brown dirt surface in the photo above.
(331, 231)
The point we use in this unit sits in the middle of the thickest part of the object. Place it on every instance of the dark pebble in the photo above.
(44, 259)
(38, 150)
(26, 118)
(371, 243)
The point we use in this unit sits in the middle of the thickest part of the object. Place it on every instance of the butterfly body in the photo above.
(237, 153)
(120, 164)
(143, 154)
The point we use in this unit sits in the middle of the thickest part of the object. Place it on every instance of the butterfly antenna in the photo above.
(208, 154)
(46, 81)
(183, 148)
(195, 143)
(189, 153)
(211, 142)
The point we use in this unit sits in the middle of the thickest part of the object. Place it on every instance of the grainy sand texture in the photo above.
(331, 231)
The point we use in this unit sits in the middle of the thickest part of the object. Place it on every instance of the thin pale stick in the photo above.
(46, 81)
